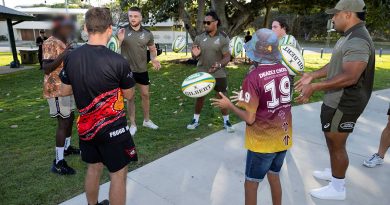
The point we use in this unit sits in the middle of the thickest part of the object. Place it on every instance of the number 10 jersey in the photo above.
(266, 93)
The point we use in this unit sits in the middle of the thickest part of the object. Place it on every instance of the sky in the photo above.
(14, 3)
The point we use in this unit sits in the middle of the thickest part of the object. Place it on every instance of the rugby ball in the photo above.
(292, 59)
(178, 44)
(113, 44)
(198, 85)
(236, 46)
(288, 40)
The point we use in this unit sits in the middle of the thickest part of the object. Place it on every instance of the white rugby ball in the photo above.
(236, 46)
(198, 85)
(113, 44)
(288, 40)
(292, 59)
(178, 44)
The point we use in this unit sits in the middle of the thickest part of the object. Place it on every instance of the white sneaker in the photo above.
(323, 175)
(133, 130)
(150, 124)
(374, 160)
(193, 125)
(328, 193)
(229, 128)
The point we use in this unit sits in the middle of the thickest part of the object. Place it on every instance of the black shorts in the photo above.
(333, 120)
(221, 85)
(388, 111)
(114, 155)
(141, 78)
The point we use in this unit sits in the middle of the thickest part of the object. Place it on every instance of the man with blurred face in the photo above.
(100, 79)
(135, 40)
(348, 87)
(211, 48)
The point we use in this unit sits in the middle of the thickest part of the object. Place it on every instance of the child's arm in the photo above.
(225, 103)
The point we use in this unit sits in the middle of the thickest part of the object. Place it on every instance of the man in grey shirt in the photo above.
(348, 86)
(135, 39)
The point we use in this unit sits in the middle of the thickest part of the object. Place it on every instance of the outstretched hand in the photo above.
(222, 103)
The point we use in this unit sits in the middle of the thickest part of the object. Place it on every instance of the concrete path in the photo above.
(211, 171)
(7, 69)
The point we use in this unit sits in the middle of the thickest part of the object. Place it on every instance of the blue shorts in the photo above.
(259, 164)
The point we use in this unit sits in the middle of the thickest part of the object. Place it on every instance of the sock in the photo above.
(59, 154)
(225, 118)
(196, 117)
(338, 184)
(67, 142)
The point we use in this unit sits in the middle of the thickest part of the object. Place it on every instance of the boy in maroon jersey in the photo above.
(265, 98)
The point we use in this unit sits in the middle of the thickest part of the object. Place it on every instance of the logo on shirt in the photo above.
(285, 126)
(286, 140)
(130, 34)
(205, 39)
(282, 114)
(142, 36)
(217, 41)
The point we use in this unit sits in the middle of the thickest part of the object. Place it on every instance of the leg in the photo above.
(385, 140)
(118, 187)
(199, 105)
(131, 110)
(92, 182)
(145, 96)
(276, 188)
(251, 192)
(62, 131)
(338, 154)
(70, 124)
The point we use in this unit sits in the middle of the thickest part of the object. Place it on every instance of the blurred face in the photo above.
(66, 31)
(135, 18)
(210, 24)
(341, 19)
(280, 32)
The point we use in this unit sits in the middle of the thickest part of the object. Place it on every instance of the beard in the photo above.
(135, 25)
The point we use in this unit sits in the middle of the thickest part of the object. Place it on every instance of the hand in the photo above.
(234, 98)
(305, 79)
(222, 103)
(121, 35)
(306, 92)
(195, 50)
(216, 66)
(156, 64)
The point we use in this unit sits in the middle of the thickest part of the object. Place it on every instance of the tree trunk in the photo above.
(267, 16)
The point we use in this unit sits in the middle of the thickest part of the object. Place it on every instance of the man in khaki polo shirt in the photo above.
(135, 39)
(348, 83)
(211, 48)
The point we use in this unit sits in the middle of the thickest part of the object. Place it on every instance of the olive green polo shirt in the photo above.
(134, 48)
(212, 49)
(355, 45)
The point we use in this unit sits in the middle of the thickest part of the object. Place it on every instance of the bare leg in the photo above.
(70, 125)
(385, 140)
(63, 130)
(199, 105)
(118, 187)
(251, 192)
(92, 182)
(276, 188)
(338, 154)
(131, 110)
(144, 89)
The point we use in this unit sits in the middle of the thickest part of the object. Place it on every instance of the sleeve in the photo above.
(63, 74)
(356, 49)
(151, 40)
(249, 96)
(126, 80)
(225, 45)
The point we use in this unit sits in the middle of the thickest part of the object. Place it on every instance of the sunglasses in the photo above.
(207, 22)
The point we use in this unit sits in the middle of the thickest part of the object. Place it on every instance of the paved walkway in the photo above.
(7, 69)
(211, 171)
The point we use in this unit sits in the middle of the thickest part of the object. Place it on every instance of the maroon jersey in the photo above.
(266, 92)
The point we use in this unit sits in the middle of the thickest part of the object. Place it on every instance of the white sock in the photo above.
(59, 154)
(196, 117)
(67, 142)
(225, 118)
(338, 184)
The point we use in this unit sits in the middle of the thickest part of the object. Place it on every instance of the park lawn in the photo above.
(28, 150)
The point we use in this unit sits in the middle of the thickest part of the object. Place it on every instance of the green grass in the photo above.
(28, 150)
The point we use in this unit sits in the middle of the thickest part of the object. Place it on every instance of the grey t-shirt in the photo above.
(212, 49)
(355, 45)
(134, 48)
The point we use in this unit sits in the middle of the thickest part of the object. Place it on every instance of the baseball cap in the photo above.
(263, 48)
(348, 5)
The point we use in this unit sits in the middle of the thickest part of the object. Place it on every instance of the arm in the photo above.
(307, 78)
(66, 90)
(50, 65)
(153, 57)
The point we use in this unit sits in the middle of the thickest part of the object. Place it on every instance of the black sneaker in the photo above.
(229, 128)
(71, 150)
(104, 202)
(62, 168)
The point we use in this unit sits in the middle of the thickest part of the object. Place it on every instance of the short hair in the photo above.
(248, 33)
(42, 31)
(283, 23)
(135, 8)
(361, 15)
(214, 15)
(98, 19)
